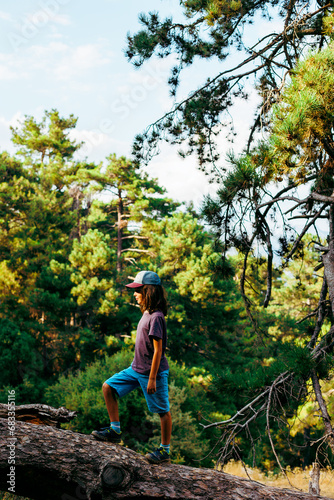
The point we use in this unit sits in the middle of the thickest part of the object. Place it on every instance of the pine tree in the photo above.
(132, 198)
(38, 221)
(253, 210)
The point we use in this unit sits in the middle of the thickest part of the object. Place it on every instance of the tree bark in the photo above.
(328, 260)
(57, 464)
(323, 408)
(40, 414)
(314, 479)
(119, 231)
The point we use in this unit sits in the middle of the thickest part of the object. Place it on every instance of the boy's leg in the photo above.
(111, 402)
(112, 433)
(166, 427)
(118, 385)
(162, 453)
(158, 403)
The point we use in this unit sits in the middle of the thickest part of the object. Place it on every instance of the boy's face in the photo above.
(138, 295)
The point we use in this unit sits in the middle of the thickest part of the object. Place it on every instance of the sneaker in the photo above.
(158, 456)
(107, 434)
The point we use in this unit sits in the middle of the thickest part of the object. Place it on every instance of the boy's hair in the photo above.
(154, 299)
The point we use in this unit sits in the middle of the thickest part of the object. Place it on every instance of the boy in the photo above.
(149, 368)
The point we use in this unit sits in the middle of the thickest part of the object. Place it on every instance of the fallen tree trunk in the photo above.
(54, 464)
(39, 414)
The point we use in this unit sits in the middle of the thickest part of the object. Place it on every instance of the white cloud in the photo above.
(61, 19)
(68, 62)
(13, 121)
(9, 69)
(42, 53)
(5, 15)
(181, 177)
(56, 58)
(5, 133)
(97, 145)
(41, 18)
(6, 73)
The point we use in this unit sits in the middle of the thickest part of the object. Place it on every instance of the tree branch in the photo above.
(321, 314)
(304, 231)
(323, 408)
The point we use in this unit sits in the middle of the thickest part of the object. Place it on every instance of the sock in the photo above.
(166, 447)
(116, 426)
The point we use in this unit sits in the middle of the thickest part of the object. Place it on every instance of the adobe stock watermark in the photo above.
(11, 481)
(33, 23)
(121, 108)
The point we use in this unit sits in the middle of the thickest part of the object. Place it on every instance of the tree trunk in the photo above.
(47, 463)
(119, 231)
(39, 414)
(314, 479)
(328, 261)
(323, 408)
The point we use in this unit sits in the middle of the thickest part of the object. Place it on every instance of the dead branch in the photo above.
(40, 414)
(323, 408)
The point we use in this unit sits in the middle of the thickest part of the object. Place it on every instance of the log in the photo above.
(56, 464)
(40, 414)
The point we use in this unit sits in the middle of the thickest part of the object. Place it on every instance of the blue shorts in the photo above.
(128, 380)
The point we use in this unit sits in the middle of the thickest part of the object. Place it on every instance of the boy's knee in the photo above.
(161, 415)
(106, 388)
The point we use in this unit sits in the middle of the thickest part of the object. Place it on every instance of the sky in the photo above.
(69, 55)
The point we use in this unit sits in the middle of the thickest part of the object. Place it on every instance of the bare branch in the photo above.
(269, 433)
(304, 231)
(135, 236)
(321, 197)
(269, 266)
(137, 250)
(321, 309)
(281, 379)
(323, 409)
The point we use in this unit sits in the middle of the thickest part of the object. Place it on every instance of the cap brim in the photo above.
(134, 285)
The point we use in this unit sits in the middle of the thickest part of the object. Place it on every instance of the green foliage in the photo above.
(91, 272)
(17, 349)
(132, 199)
(289, 357)
(185, 255)
(242, 179)
(47, 140)
(9, 496)
(303, 123)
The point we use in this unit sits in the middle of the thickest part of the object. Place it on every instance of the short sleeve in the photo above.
(157, 324)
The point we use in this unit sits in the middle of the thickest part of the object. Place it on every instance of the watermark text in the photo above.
(11, 481)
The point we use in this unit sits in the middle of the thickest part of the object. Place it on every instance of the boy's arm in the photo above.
(157, 346)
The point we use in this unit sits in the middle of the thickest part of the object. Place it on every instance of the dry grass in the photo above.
(298, 478)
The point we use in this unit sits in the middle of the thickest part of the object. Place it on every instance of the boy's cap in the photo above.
(145, 278)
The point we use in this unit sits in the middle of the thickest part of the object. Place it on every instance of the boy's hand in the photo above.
(151, 386)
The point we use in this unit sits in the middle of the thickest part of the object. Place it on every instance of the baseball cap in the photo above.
(145, 278)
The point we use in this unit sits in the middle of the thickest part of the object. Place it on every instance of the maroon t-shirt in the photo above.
(149, 327)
